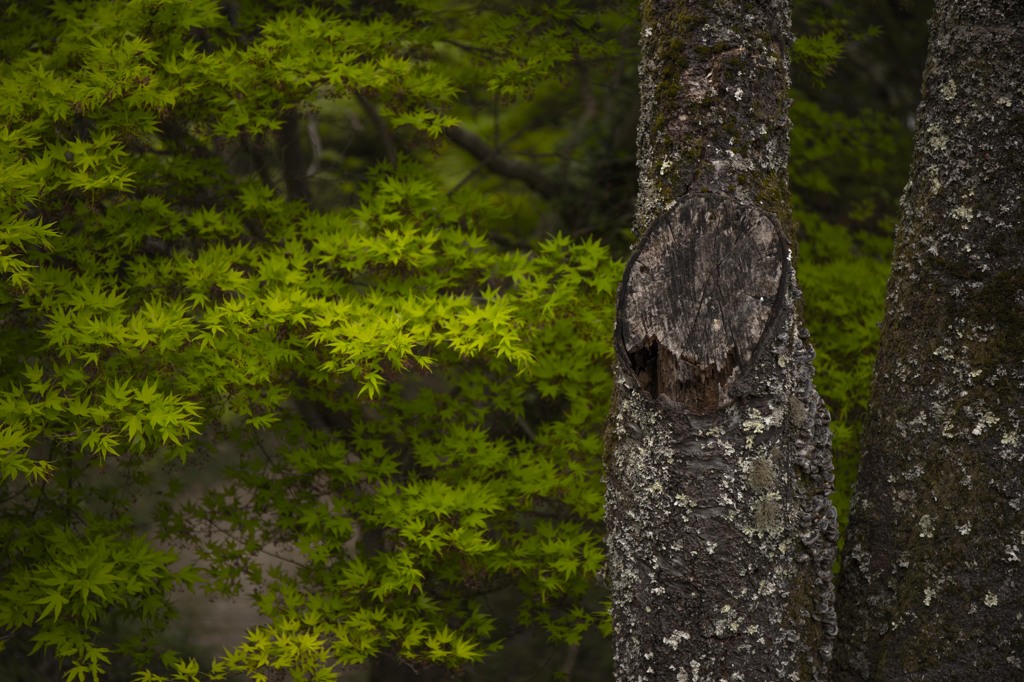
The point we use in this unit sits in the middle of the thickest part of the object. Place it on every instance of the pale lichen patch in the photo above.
(768, 514)
(936, 139)
(676, 637)
(926, 524)
(985, 421)
(755, 422)
(964, 214)
(761, 473)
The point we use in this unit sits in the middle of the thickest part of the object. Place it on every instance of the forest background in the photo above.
(319, 296)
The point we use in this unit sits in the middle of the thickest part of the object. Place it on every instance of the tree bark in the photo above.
(720, 531)
(933, 581)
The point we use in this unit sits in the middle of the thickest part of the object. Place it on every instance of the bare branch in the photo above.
(505, 166)
(316, 144)
(390, 150)
(291, 152)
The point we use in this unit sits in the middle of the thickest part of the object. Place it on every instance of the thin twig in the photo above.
(316, 144)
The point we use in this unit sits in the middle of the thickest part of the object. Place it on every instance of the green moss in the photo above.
(773, 195)
(668, 87)
(729, 127)
(711, 50)
(658, 123)
(683, 22)
(674, 58)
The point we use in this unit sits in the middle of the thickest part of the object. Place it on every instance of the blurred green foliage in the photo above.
(399, 388)
(320, 294)
(848, 166)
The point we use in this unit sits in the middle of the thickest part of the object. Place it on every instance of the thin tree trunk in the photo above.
(720, 531)
(293, 162)
(933, 570)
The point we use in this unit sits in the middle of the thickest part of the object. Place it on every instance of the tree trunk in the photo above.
(933, 579)
(720, 532)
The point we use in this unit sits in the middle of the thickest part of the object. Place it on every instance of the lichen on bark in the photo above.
(720, 531)
(714, 104)
(932, 572)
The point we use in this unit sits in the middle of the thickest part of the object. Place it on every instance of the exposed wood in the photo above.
(699, 294)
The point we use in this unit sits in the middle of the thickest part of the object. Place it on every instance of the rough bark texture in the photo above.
(933, 579)
(720, 531)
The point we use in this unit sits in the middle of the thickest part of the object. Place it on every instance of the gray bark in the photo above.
(933, 579)
(720, 532)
